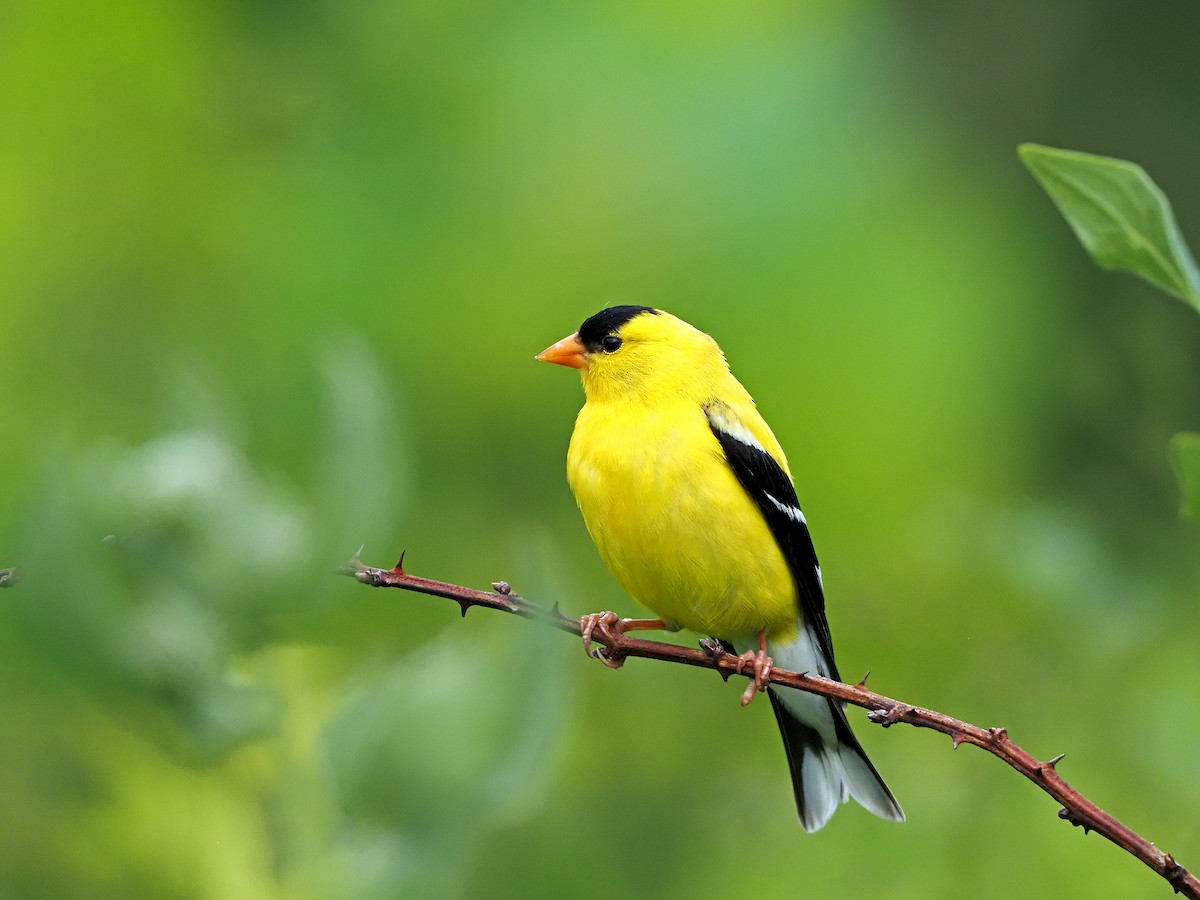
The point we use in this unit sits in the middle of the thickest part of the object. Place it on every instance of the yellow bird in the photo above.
(689, 499)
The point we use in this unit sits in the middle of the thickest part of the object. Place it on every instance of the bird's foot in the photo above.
(759, 666)
(607, 625)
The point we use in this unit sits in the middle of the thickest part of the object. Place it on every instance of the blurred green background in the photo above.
(272, 278)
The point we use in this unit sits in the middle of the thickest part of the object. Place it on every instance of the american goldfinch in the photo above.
(689, 500)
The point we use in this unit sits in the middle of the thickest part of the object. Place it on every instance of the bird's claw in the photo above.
(596, 622)
(607, 625)
(759, 666)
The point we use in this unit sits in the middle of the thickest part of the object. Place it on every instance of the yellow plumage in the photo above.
(663, 507)
(689, 500)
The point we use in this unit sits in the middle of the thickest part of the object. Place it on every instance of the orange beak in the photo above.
(567, 352)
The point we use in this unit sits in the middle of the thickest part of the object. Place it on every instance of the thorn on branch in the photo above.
(725, 663)
(464, 605)
(715, 652)
(399, 567)
(862, 682)
(957, 737)
(1074, 819)
(1173, 872)
(1051, 763)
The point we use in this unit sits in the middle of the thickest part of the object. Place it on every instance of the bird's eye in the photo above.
(610, 344)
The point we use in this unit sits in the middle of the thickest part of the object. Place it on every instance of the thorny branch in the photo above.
(1076, 809)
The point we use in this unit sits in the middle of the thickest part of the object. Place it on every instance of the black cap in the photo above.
(609, 321)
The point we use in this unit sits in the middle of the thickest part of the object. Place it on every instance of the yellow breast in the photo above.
(673, 524)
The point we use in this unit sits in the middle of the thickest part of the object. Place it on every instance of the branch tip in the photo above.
(362, 573)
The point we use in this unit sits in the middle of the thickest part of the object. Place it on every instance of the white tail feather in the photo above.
(866, 786)
(828, 764)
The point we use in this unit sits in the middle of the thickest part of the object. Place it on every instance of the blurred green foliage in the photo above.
(1185, 455)
(273, 277)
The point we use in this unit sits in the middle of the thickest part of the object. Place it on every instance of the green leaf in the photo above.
(1185, 459)
(1120, 216)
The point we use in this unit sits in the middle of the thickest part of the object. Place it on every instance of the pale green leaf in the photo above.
(1120, 216)
(1185, 459)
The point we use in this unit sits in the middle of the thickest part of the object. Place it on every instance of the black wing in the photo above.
(775, 496)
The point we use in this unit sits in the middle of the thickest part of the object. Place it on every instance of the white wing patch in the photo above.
(734, 429)
(792, 512)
